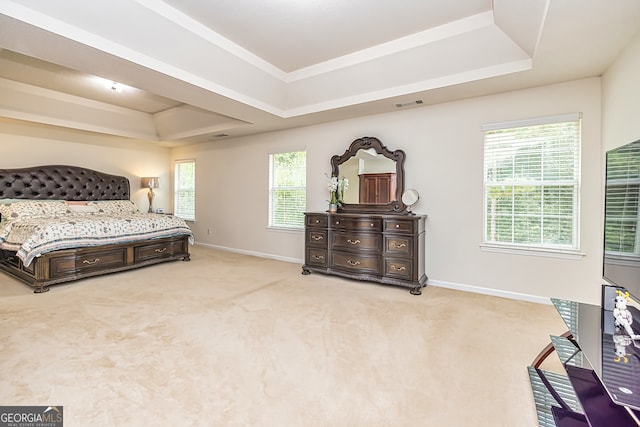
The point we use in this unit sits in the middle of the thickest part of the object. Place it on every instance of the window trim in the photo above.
(559, 251)
(176, 189)
(532, 250)
(270, 202)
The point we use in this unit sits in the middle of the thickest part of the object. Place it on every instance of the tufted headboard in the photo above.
(62, 183)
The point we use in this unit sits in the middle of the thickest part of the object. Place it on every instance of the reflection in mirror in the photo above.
(367, 171)
(622, 218)
(375, 174)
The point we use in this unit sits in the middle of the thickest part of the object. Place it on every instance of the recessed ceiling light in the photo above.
(111, 85)
(115, 87)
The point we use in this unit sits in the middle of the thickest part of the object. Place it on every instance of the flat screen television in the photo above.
(621, 266)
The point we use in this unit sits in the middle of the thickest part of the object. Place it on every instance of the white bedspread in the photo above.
(32, 237)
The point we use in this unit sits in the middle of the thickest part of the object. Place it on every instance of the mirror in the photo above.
(375, 174)
(410, 198)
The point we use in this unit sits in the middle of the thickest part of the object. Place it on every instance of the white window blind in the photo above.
(532, 183)
(287, 189)
(622, 234)
(184, 198)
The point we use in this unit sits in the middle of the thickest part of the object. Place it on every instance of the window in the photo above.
(184, 197)
(287, 189)
(532, 183)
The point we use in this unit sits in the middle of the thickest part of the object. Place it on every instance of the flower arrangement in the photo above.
(337, 188)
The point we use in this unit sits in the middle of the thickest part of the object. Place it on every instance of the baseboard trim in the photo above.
(252, 253)
(437, 283)
(489, 291)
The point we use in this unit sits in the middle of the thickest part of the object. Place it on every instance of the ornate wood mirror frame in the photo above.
(392, 202)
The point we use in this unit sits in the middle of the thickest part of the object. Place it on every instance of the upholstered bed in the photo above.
(64, 223)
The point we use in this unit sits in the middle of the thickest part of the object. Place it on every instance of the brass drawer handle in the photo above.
(337, 223)
(353, 242)
(161, 250)
(86, 261)
(316, 237)
(317, 221)
(398, 245)
(353, 262)
(372, 224)
(401, 268)
(397, 225)
(318, 257)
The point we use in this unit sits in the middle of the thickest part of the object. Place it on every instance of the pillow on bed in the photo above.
(32, 209)
(81, 207)
(115, 206)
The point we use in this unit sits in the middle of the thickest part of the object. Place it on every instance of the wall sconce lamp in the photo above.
(150, 182)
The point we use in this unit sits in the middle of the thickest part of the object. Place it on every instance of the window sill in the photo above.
(285, 229)
(531, 251)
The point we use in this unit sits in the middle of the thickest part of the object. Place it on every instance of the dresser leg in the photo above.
(416, 291)
(305, 272)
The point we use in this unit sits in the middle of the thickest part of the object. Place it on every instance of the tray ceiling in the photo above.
(196, 70)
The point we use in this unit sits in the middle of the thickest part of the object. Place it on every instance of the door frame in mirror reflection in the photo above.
(389, 179)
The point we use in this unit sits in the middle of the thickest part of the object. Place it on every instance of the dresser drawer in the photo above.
(398, 245)
(93, 260)
(317, 238)
(356, 224)
(355, 241)
(316, 220)
(399, 225)
(157, 250)
(317, 257)
(355, 263)
(398, 268)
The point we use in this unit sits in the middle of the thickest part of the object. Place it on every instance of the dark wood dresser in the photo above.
(382, 248)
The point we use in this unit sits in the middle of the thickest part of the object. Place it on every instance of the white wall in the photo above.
(444, 147)
(23, 145)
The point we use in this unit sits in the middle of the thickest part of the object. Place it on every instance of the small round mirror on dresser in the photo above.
(410, 198)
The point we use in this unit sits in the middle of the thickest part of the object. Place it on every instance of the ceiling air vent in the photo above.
(409, 104)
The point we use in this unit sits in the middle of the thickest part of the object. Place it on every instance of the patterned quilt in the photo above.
(32, 237)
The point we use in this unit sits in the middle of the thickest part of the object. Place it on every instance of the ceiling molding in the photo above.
(422, 38)
(245, 79)
(200, 82)
(31, 103)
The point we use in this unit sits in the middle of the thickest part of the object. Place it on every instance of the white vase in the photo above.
(333, 208)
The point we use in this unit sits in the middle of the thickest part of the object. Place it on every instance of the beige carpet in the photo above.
(233, 340)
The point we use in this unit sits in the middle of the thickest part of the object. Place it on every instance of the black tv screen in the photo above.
(621, 266)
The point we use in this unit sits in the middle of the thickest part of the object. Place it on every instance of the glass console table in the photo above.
(601, 383)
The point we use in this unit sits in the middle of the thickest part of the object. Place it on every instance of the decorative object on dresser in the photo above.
(337, 187)
(410, 199)
(150, 182)
(64, 223)
(370, 241)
